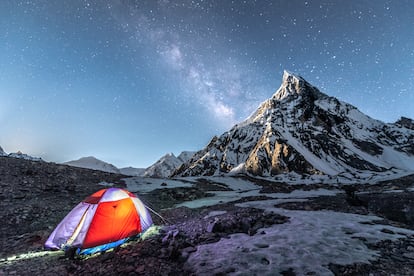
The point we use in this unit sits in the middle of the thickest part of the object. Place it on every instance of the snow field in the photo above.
(308, 243)
(146, 185)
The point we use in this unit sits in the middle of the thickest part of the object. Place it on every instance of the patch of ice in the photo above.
(146, 185)
(234, 183)
(215, 213)
(220, 197)
(106, 184)
(393, 191)
(305, 194)
(359, 177)
(307, 244)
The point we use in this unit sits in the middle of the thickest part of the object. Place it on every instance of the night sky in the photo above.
(128, 81)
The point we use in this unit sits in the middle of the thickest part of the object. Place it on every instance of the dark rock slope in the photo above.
(35, 196)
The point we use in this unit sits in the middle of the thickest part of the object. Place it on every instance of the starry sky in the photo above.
(128, 81)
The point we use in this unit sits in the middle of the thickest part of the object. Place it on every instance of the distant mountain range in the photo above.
(20, 155)
(298, 130)
(163, 168)
(302, 130)
(167, 164)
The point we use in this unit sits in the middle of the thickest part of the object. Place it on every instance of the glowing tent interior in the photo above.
(103, 220)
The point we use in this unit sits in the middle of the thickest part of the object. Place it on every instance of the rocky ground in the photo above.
(35, 196)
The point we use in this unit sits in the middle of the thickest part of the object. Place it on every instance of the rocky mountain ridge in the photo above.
(161, 168)
(302, 130)
(20, 155)
(167, 164)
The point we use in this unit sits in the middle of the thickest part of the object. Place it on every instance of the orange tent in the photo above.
(103, 220)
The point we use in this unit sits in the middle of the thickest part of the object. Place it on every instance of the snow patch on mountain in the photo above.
(144, 185)
(2, 153)
(185, 156)
(21, 155)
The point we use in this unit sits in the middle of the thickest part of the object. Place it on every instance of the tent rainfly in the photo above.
(102, 221)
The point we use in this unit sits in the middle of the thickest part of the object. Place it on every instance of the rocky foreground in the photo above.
(35, 196)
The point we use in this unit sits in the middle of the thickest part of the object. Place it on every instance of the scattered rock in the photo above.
(388, 231)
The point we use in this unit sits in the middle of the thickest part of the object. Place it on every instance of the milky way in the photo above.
(128, 81)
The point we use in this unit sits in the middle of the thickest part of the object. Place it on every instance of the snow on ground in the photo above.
(236, 184)
(240, 188)
(106, 184)
(243, 188)
(215, 213)
(221, 197)
(359, 177)
(305, 194)
(218, 198)
(146, 185)
(307, 244)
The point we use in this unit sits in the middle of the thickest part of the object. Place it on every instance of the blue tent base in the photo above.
(100, 248)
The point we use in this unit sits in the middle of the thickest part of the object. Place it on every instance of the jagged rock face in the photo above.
(2, 153)
(274, 158)
(300, 129)
(405, 122)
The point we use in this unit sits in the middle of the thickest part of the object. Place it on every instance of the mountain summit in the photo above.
(293, 85)
(167, 164)
(300, 129)
(93, 163)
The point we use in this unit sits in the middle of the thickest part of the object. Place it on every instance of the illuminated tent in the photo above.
(103, 220)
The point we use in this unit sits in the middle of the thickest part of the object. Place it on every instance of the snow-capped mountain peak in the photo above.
(293, 87)
(302, 130)
(185, 156)
(21, 155)
(167, 164)
(405, 122)
(292, 84)
(93, 163)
